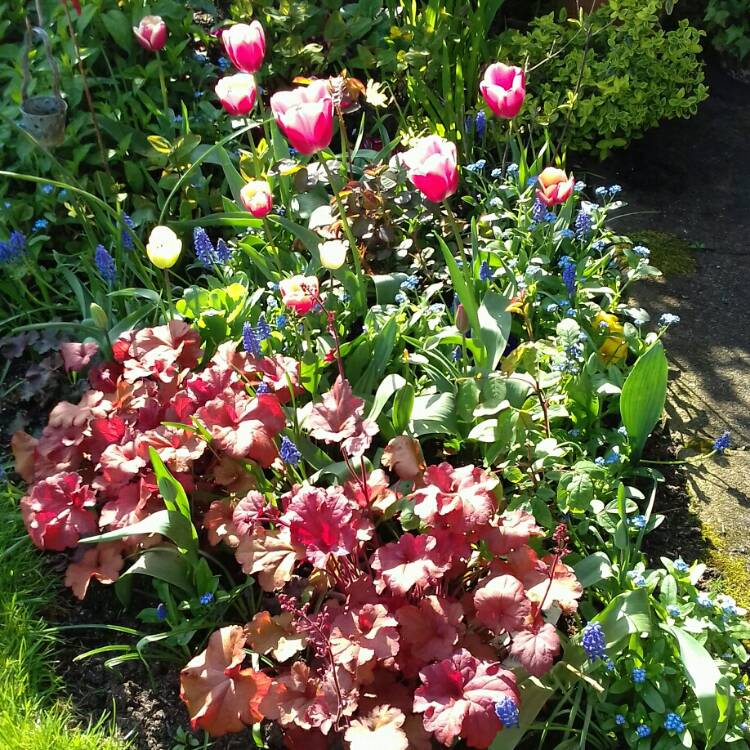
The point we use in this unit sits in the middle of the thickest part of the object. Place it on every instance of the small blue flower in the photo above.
(744, 727)
(593, 641)
(641, 251)
(507, 711)
(601, 192)
(437, 308)
(281, 321)
(63, 194)
(262, 388)
(673, 723)
(105, 264)
(531, 181)
(512, 170)
(638, 522)
(262, 329)
(619, 719)
(250, 341)
(637, 579)
(411, 283)
(223, 251)
(722, 442)
(680, 565)
(614, 190)
(161, 611)
(40, 225)
(550, 217)
(727, 604)
(206, 598)
(47, 188)
(224, 63)
(289, 452)
(673, 611)
(476, 166)
(457, 353)
(580, 186)
(609, 665)
(480, 123)
(740, 687)
(485, 272)
(668, 319)
(567, 234)
(496, 173)
(599, 246)
(704, 600)
(642, 731)
(125, 238)
(177, 119)
(204, 248)
(400, 298)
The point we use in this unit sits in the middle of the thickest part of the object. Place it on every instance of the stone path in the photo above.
(691, 178)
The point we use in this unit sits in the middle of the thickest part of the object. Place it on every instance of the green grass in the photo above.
(33, 712)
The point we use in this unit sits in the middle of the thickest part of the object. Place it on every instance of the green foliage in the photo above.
(728, 25)
(633, 73)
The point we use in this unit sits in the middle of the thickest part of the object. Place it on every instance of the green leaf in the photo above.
(387, 286)
(164, 564)
(390, 384)
(172, 492)
(121, 30)
(643, 396)
(627, 613)
(435, 414)
(494, 327)
(165, 522)
(465, 294)
(704, 678)
(403, 406)
(593, 569)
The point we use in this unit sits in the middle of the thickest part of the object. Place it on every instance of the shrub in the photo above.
(728, 25)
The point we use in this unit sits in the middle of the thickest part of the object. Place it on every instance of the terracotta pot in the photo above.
(587, 6)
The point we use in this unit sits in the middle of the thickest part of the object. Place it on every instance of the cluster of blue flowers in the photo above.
(205, 251)
(582, 225)
(673, 723)
(485, 272)
(638, 675)
(476, 166)
(126, 239)
(507, 711)
(253, 336)
(411, 283)
(722, 442)
(289, 452)
(610, 192)
(105, 264)
(593, 641)
(12, 248)
(40, 225)
(206, 598)
(668, 319)
(637, 578)
(642, 731)
(639, 521)
(568, 268)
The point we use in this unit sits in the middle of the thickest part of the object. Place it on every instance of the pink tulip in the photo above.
(237, 93)
(504, 89)
(305, 116)
(432, 168)
(245, 45)
(299, 293)
(554, 186)
(151, 33)
(257, 198)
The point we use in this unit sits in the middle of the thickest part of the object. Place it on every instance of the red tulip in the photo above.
(305, 116)
(257, 198)
(504, 89)
(237, 93)
(554, 186)
(245, 45)
(432, 167)
(299, 293)
(151, 33)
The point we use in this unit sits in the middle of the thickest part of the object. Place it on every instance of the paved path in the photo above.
(692, 178)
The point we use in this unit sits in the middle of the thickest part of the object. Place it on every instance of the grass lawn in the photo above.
(33, 711)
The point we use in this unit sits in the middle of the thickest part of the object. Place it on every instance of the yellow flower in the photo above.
(333, 254)
(613, 349)
(163, 247)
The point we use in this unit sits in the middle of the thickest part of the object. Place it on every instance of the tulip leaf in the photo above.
(494, 327)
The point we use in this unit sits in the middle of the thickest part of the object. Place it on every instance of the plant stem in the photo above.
(269, 242)
(253, 148)
(162, 84)
(168, 289)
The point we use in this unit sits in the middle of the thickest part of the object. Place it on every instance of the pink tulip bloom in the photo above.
(151, 33)
(299, 293)
(305, 116)
(257, 198)
(245, 45)
(237, 93)
(504, 89)
(555, 186)
(431, 166)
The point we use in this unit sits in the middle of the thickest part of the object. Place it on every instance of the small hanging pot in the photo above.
(43, 117)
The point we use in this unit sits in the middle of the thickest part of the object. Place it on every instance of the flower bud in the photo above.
(257, 198)
(163, 247)
(151, 33)
(462, 319)
(333, 254)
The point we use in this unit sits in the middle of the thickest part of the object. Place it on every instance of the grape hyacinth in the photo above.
(673, 723)
(507, 711)
(638, 675)
(206, 598)
(538, 211)
(485, 272)
(250, 340)
(223, 251)
(480, 123)
(642, 731)
(161, 611)
(289, 452)
(619, 719)
(262, 329)
(262, 388)
(593, 641)
(126, 239)
(722, 442)
(204, 248)
(12, 248)
(568, 266)
(582, 225)
(105, 264)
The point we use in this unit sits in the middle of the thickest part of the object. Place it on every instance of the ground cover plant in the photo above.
(363, 427)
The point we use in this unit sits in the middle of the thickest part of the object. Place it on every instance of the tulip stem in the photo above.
(344, 218)
(168, 290)
(162, 84)
(270, 243)
(256, 158)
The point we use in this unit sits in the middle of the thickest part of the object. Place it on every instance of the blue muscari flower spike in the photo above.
(642, 731)
(673, 723)
(125, 239)
(105, 264)
(568, 266)
(619, 719)
(262, 388)
(593, 641)
(480, 123)
(289, 452)
(204, 248)
(206, 598)
(485, 272)
(262, 329)
(250, 341)
(12, 248)
(638, 675)
(583, 225)
(538, 211)
(457, 353)
(223, 251)
(161, 611)
(722, 442)
(223, 63)
(507, 711)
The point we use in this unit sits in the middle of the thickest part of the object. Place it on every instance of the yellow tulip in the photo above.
(163, 247)
(613, 348)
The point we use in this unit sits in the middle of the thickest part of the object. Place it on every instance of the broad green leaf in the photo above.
(643, 396)
(390, 384)
(593, 569)
(403, 406)
(494, 327)
(627, 613)
(465, 294)
(435, 414)
(387, 286)
(172, 492)
(164, 564)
